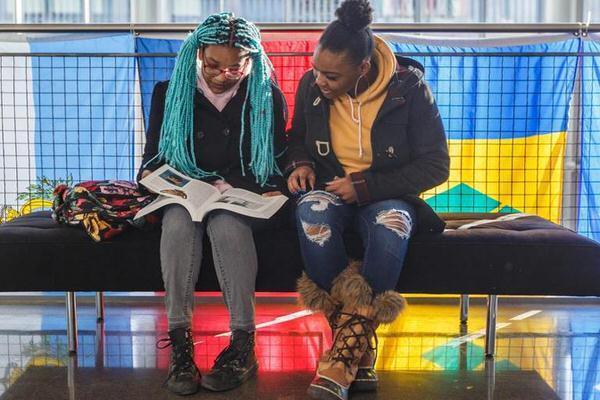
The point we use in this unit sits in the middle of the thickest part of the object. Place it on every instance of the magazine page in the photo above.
(246, 203)
(199, 197)
(192, 193)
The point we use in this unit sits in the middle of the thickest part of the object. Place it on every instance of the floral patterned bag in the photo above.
(103, 208)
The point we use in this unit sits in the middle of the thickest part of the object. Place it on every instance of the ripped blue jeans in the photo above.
(384, 227)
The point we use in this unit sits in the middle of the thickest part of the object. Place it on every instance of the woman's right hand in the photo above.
(145, 173)
(301, 179)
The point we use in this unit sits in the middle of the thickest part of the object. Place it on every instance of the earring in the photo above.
(356, 84)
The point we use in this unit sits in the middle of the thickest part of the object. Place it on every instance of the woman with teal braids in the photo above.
(220, 119)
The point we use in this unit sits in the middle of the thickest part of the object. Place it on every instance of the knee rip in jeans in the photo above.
(317, 233)
(398, 221)
(321, 200)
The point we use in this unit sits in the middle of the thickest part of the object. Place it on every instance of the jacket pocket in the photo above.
(393, 145)
(316, 140)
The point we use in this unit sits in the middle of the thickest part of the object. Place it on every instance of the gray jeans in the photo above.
(234, 256)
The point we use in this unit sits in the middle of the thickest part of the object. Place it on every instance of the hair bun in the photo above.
(355, 14)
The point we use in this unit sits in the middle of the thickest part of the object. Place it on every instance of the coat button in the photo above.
(226, 131)
(201, 135)
(401, 100)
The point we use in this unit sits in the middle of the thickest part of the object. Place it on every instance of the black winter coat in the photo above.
(217, 137)
(410, 151)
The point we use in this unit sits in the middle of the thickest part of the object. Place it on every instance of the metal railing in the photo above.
(417, 28)
(172, 11)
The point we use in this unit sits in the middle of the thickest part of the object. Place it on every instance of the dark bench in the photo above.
(522, 256)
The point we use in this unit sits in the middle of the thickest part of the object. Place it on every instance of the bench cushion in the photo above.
(523, 256)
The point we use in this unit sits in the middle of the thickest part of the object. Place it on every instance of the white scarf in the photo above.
(219, 100)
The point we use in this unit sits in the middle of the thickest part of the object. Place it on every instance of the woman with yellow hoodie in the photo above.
(366, 140)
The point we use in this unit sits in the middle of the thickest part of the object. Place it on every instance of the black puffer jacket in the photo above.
(410, 151)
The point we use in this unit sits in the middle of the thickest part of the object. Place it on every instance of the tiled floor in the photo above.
(545, 350)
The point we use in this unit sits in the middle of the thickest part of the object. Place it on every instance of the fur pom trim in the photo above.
(387, 306)
(351, 288)
(312, 297)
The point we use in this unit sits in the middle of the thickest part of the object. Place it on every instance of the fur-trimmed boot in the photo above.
(313, 298)
(366, 379)
(386, 307)
(354, 314)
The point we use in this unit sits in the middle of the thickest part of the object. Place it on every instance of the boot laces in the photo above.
(182, 355)
(234, 355)
(354, 336)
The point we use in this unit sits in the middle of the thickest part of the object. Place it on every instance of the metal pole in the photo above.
(71, 370)
(99, 345)
(164, 16)
(132, 11)
(87, 12)
(99, 306)
(71, 322)
(572, 158)
(18, 11)
(579, 10)
(464, 308)
(490, 327)
(483, 11)
(166, 12)
(463, 351)
(490, 375)
(417, 10)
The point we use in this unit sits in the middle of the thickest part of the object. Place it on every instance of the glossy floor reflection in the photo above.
(545, 350)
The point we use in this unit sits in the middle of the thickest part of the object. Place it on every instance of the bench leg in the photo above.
(490, 327)
(463, 349)
(99, 361)
(464, 308)
(71, 382)
(490, 374)
(71, 322)
(99, 306)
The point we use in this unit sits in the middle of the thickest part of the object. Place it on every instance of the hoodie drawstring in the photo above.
(358, 120)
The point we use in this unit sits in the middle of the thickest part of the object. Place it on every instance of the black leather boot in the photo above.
(184, 377)
(235, 365)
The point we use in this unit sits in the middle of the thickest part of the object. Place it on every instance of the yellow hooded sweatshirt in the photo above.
(351, 119)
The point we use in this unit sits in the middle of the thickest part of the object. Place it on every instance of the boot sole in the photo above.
(320, 393)
(247, 375)
(364, 386)
(188, 392)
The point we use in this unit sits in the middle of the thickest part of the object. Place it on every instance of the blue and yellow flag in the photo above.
(505, 110)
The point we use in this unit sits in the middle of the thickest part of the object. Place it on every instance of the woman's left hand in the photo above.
(343, 188)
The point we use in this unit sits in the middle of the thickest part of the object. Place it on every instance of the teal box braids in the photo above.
(176, 144)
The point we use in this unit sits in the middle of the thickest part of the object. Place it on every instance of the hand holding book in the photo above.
(199, 197)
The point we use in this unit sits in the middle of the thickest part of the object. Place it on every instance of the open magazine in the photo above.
(199, 198)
